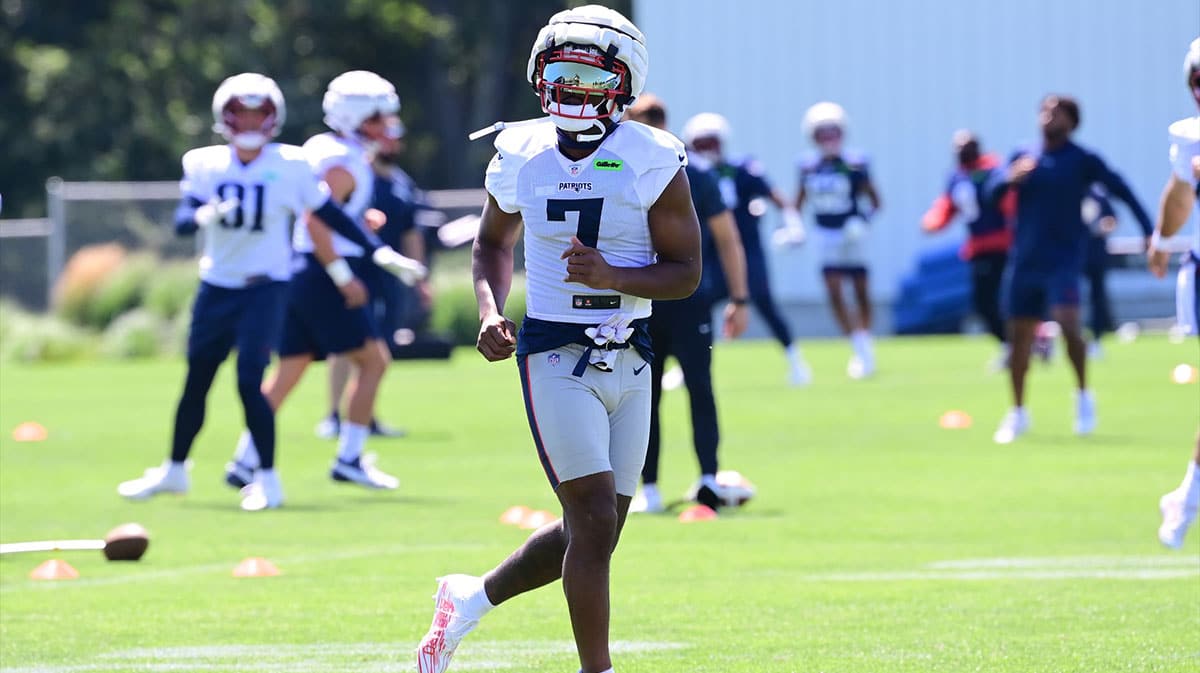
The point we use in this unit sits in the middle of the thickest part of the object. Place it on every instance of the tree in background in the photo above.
(119, 89)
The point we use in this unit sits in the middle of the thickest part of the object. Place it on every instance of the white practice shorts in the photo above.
(582, 425)
(1187, 299)
(842, 252)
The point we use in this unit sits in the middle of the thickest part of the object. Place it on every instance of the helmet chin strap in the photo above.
(584, 140)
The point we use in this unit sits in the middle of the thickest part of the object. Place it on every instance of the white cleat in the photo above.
(800, 375)
(167, 478)
(647, 503)
(672, 379)
(265, 492)
(450, 624)
(860, 368)
(362, 471)
(1015, 424)
(1177, 516)
(328, 428)
(1085, 415)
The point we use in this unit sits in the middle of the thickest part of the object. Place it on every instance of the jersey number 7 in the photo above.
(588, 230)
(237, 218)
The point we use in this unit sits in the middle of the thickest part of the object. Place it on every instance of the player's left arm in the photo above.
(1117, 187)
(1174, 207)
(675, 235)
(867, 189)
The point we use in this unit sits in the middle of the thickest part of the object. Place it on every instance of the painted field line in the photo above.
(1160, 561)
(225, 567)
(994, 575)
(320, 658)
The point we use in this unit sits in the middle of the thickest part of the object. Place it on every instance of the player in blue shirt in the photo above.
(745, 190)
(1101, 221)
(1048, 254)
(835, 183)
(683, 327)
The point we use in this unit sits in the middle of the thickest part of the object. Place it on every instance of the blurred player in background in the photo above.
(609, 226)
(1101, 221)
(393, 197)
(327, 311)
(745, 190)
(835, 182)
(244, 196)
(988, 233)
(1179, 507)
(683, 327)
(1050, 241)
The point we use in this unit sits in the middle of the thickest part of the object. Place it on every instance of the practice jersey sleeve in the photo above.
(656, 155)
(310, 191)
(1184, 138)
(196, 183)
(755, 179)
(706, 195)
(514, 147)
(1101, 173)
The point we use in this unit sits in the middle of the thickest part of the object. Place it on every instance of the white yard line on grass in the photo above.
(388, 657)
(283, 562)
(1165, 567)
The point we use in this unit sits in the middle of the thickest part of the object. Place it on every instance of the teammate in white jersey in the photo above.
(245, 196)
(326, 308)
(1179, 507)
(609, 225)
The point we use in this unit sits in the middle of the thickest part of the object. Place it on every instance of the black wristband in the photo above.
(738, 301)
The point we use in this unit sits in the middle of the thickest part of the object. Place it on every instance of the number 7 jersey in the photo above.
(602, 199)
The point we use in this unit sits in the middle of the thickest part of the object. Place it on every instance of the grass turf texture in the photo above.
(861, 553)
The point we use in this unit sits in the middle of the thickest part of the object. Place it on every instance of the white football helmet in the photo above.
(706, 125)
(254, 91)
(1191, 69)
(600, 54)
(356, 96)
(825, 117)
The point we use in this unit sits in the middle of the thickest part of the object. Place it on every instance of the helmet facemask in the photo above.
(234, 128)
(580, 86)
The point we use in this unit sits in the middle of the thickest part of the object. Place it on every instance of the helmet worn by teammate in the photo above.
(248, 91)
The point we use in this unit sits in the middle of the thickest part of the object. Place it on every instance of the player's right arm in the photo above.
(732, 254)
(341, 184)
(1173, 210)
(491, 269)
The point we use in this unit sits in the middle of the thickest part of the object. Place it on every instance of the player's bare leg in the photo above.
(833, 289)
(1072, 331)
(284, 379)
(340, 371)
(863, 364)
(862, 298)
(371, 364)
(1021, 332)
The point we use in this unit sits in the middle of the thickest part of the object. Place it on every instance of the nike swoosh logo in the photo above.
(682, 157)
(638, 370)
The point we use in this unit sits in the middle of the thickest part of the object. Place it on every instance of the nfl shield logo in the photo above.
(574, 170)
(553, 359)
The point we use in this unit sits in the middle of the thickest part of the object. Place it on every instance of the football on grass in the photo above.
(126, 542)
(736, 490)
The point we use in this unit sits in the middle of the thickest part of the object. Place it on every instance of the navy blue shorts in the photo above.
(246, 318)
(317, 321)
(1029, 294)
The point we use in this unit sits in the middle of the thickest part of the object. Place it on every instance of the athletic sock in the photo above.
(1191, 483)
(710, 480)
(351, 440)
(246, 453)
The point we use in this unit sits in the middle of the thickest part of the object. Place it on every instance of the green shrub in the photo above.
(455, 312)
(134, 334)
(49, 338)
(171, 289)
(122, 290)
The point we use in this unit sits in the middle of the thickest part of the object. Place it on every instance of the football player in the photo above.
(1047, 257)
(745, 190)
(835, 182)
(683, 328)
(1101, 221)
(1179, 507)
(608, 227)
(244, 195)
(989, 235)
(326, 311)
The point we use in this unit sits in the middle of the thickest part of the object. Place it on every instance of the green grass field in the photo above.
(878, 542)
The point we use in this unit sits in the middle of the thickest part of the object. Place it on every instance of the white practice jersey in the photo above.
(1185, 160)
(253, 240)
(602, 199)
(324, 152)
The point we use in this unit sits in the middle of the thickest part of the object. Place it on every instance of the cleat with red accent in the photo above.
(452, 621)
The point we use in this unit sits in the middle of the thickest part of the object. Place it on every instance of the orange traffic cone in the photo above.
(697, 513)
(536, 519)
(955, 420)
(255, 566)
(54, 569)
(29, 431)
(513, 516)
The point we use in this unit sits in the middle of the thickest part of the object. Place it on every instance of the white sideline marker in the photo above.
(50, 545)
